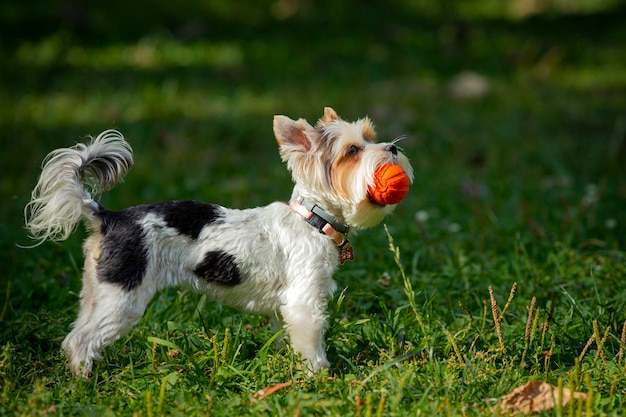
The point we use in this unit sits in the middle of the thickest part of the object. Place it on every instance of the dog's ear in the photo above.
(292, 134)
(329, 116)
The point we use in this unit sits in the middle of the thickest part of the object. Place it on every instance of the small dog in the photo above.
(276, 260)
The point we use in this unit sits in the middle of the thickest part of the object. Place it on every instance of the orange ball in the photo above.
(391, 184)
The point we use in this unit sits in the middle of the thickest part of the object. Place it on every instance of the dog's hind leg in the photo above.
(107, 312)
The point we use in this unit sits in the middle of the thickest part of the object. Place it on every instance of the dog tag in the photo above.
(346, 254)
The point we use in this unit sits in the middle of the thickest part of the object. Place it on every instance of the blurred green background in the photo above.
(514, 118)
(513, 112)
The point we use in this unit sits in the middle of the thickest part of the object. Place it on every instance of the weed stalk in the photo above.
(589, 404)
(622, 344)
(496, 319)
(572, 388)
(162, 395)
(484, 323)
(225, 346)
(7, 298)
(508, 301)
(548, 355)
(408, 287)
(455, 348)
(529, 322)
(600, 343)
(381, 405)
(154, 359)
(587, 346)
(149, 408)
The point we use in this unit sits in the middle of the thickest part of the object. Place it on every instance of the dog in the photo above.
(276, 260)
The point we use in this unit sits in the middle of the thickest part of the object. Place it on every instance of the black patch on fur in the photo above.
(188, 217)
(219, 267)
(123, 253)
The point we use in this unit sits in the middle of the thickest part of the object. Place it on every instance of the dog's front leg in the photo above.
(305, 324)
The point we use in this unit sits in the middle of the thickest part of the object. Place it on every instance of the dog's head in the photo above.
(334, 163)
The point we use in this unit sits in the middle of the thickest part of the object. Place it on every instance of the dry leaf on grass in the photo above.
(536, 396)
(260, 394)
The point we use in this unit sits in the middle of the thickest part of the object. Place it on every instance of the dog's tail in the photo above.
(68, 179)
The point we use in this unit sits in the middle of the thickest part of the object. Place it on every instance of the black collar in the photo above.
(326, 224)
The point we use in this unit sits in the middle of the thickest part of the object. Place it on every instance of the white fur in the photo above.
(286, 265)
(59, 198)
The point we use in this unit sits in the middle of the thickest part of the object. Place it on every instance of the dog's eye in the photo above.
(353, 150)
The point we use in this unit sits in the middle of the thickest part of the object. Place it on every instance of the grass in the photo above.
(505, 263)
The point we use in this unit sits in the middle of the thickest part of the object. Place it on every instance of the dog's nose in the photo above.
(392, 148)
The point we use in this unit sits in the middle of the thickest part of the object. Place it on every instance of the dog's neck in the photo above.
(326, 224)
(324, 215)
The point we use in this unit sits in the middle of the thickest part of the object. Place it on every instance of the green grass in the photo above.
(524, 187)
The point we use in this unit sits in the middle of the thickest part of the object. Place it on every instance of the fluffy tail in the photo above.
(68, 179)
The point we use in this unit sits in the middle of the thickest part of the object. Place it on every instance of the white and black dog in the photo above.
(276, 260)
